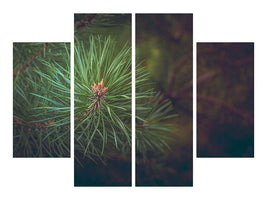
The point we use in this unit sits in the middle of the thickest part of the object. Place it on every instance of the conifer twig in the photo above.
(30, 61)
(44, 124)
(88, 20)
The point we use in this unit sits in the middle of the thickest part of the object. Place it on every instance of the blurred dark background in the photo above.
(225, 99)
(164, 44)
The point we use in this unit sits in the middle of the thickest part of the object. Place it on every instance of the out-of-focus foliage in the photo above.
(225, 99)
(164, 44)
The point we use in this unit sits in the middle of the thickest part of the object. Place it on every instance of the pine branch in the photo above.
(41, 103)
(102, 110)
(103, 103)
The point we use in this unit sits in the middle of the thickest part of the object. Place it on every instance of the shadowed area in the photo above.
(225, 99)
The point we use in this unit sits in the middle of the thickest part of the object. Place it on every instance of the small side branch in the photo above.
(176, 71)
(87, 21)
(189, 85)
(43, 125)
(30, 61)
(209, 99)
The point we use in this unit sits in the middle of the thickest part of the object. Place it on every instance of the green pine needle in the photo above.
(42, 101)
